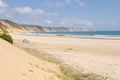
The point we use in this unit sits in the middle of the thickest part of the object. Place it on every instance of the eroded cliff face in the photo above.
(10, 26)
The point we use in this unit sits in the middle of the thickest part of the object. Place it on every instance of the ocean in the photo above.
(87, 33)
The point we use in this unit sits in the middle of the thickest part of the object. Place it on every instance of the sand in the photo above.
(16, 64)
(97, 56)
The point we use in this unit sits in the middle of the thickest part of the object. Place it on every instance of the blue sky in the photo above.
(85, 14)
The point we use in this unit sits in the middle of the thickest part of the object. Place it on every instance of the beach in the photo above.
(16, 64)
(59, 40)
(90, 59)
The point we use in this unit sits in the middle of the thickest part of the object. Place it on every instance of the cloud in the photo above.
(38, 11)
(30, 15)
(3, 6)
(23, 10)
(65, 3)
(82, 4)
(48, 21)
(52, 14)
(55, 4)
(75, 22)
(31, 11)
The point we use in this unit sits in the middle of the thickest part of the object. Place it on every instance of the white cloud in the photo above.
(82, 4)
(55, 4)
(65, 3)
(3, 6)
(38, 11)
(23, 10)
(48, 21)
(29, 10)
(76, 22)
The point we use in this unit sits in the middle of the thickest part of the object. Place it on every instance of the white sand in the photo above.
(16, 64)
(97, 56)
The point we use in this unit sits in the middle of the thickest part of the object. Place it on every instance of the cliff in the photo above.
(10, 26)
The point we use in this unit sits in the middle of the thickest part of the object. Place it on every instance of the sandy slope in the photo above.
(99, 56)
(16, 64)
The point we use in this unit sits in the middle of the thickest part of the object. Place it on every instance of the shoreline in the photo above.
(101, 37)
(94, 41)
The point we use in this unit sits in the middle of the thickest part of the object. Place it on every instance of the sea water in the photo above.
(86, 33)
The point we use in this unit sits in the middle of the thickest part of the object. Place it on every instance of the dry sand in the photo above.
(16, 64)
(98, 56)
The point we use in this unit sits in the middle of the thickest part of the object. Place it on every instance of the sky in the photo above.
(99, 15)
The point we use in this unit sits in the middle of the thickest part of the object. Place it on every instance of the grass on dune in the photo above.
(68, 73)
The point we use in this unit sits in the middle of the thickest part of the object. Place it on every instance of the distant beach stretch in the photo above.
(81, 58)
(110, 35)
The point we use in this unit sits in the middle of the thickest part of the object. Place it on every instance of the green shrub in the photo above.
(7, 37)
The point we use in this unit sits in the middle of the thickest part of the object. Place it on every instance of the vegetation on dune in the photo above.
(68, 72)
(6, 37)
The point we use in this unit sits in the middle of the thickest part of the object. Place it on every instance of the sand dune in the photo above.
(16, 64)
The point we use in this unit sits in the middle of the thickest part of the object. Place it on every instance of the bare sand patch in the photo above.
(16, 64)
